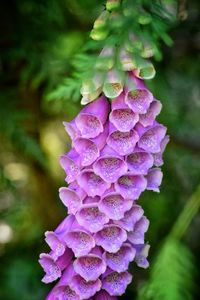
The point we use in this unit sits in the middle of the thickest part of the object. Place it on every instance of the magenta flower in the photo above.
(116, 154)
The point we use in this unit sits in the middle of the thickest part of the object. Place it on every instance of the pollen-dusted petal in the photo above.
(120, 260)
(56, 245)
(85, 289)
(131, 186)
(90, 217)
(70, 198)
(92, 184)
(137, 235)
(63, 292)
(154, 179)
(103, 295)
(111, 237)
(139, 100)
(90, 267)
(139, 162)
(131, 217)
(80, 241)
(91, 119)
(116, 283)
(149, 118)
(124, 119)
(50, 267)
(123, 142)
(158, 160)
(70, 164)
(114, 206)
(150, 141)
(110, 168)
(89, 125)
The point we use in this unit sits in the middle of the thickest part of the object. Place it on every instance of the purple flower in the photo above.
(91, 119)
(121, 116)
(90, 216)
(116, 283)
(120, 260)
(116, 154)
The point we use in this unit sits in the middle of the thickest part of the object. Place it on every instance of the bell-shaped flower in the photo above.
(89, 216)
(158, 160)
(139, 162)
(71, 165)
(85, 289)
(103, 295)
(145, 70)
(142, 252)
(137, 235)
(122, 142)
(71, 129)
(151, 138)
(90, 266)
(131, 217)
(139, 100)
(121, 116)
(92, 117)
(91, 88)
(154, 179)
(89, 149)
(53, 267)
(91, 183)
(110, 166)
(63, 289)
(79, 240)
(113, 84)
(111, 237)
(126, 60)
(148, 118)
(120, 260)
(116, 283)
(131, 186)
(114, 205)
(72, 197)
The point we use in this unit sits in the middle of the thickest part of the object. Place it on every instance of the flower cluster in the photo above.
(115, 156)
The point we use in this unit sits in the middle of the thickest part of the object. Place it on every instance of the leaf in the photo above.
(172, 274)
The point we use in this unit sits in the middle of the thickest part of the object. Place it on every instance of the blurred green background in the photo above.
(38, 39)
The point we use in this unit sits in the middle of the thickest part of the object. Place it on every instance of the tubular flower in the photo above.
(116, 154)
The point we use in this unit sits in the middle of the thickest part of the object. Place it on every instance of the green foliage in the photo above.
(172, 274)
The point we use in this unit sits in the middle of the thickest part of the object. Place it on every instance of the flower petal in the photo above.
(154, 179)
(92, 184)
(80, 241)
(116, 283)
(150, 141)
(114, 206)
(85, 289)
(120, 260)
(131, 186)
(111, 237)
(131, 217)
(139, 100)
(90, 217)
(90, 267)
(139, 162)
(123, 142)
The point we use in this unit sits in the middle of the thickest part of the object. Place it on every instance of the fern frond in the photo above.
(171, 275)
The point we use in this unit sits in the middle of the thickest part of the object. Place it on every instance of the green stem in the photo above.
(186, 216)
